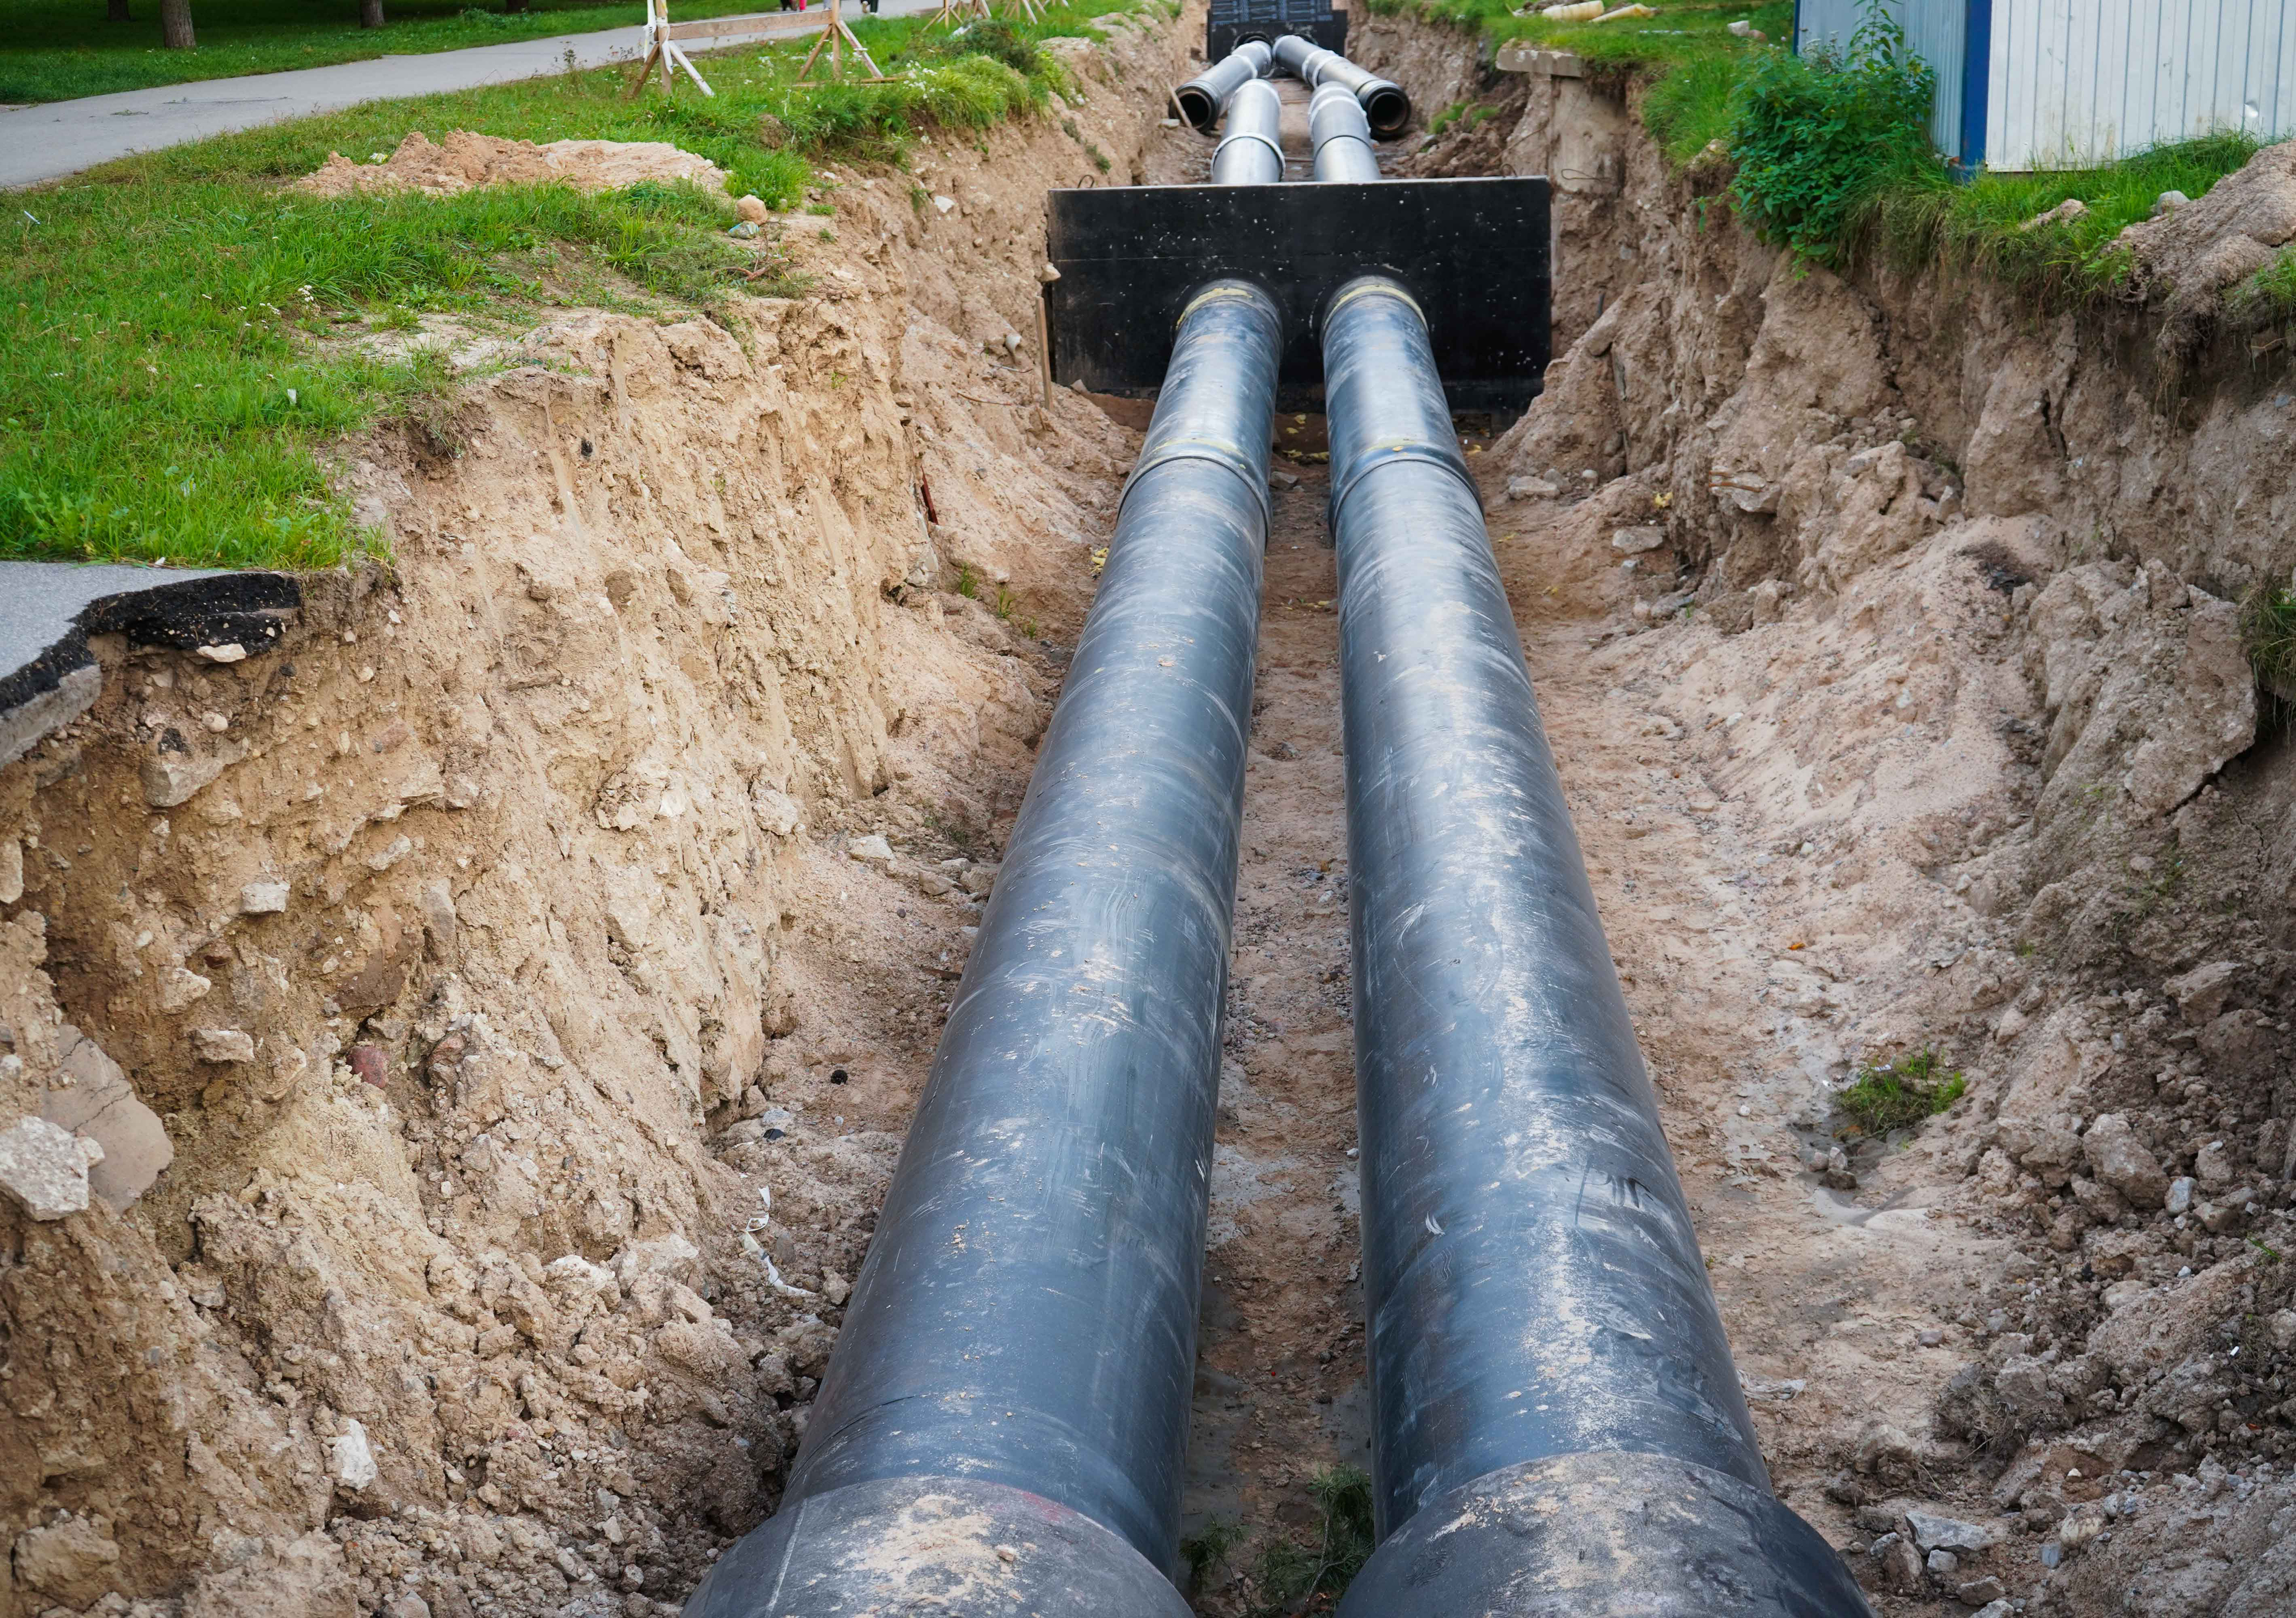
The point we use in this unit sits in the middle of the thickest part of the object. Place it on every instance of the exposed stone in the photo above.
(90, 1096)
(1900, 1564)
(2180, 1194)
(263, 899)
(1638, 541)
(871, 849)
(2123, 1163)
(11, 870)
(223, 1045)
(304, 1578)
(2201, 993)
(2063, 213)
(2213, 1164)
(180, 987)
(1980, 1592)
(45, 1168)
(172, 770)
(351, 1459)
(1934, 1530)
(2148, 689)
(777, 810)
(69, 1560)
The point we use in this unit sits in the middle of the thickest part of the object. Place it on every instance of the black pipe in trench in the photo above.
(1002, 1427)
(1557, 1424)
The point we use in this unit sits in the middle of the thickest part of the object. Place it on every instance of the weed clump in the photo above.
(2267, 628)
(1291, 1576)
(1898, 1095)
(1819, 138)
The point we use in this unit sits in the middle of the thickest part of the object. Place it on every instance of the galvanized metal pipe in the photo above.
(1018, 1355)
(1204, 98)
(1342, 136)
(1251, 151)
(1384, 102)
(1557, 1422)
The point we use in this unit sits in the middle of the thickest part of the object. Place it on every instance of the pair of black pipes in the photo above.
(1558, 1426)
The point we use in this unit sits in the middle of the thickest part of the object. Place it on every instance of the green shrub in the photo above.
(1819, 138)
(1897, 1094)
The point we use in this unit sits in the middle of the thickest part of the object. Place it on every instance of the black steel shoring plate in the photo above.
(1475, 253)
(1228, 23)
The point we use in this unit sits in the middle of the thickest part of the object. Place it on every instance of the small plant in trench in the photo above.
(1208, 1547)
(1295, 1578)
(1897, 1094)
(2267, 627)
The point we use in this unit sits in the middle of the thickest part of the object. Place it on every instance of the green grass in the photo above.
(174, 377)
(1680, 32)
(2268, 623)
(1291, 1576)
(1978, 226)
(51, 50)
(1897, 1094)
(2269, 295)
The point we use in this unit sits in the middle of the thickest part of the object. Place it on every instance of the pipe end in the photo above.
(956, 1545)
(1610, 1535)
(1386, 108)
(1199, 107)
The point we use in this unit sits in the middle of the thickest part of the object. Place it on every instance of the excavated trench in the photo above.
(499, 1008)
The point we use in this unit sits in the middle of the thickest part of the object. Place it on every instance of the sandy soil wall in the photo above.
(1888, 630)
(477, 965)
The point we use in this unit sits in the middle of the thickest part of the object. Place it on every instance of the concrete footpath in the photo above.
(58, 138)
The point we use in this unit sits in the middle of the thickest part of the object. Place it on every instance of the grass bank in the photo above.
(177, 353)
(1830, 159)
(54, 50)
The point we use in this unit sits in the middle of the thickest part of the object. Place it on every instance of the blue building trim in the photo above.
(1976, 82)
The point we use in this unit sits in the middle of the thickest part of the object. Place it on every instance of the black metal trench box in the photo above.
(1228, 23)
(1475, 253)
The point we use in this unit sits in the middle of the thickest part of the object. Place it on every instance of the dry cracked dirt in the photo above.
(499, 1008)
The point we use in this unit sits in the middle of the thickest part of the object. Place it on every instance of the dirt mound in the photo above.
(552, 933)
(2196, 253)
(466, 160)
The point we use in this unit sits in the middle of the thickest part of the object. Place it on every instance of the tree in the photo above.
(116, 10)
(370, 13)
(516, 5)
(176, 25)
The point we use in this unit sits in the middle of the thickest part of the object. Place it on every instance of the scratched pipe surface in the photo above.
(1251, 151)
(1557, 1425)
(1383, 100)
(1204, 98)
(1016, 1363)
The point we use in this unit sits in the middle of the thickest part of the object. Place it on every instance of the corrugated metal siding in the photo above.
(2076, 83)
(1937, 30)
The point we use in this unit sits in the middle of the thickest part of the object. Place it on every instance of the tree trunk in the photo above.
(516, 5)
(116, 10)
(370, 13)
(176, 24)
